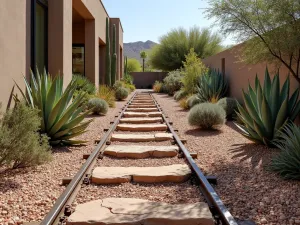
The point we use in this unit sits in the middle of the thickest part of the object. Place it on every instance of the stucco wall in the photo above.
(14, 45)
(240, 74)
(147, 79)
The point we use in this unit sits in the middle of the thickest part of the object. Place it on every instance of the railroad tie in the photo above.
(141, 120)
(141, 137)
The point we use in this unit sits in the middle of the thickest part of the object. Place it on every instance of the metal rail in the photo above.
(59, 207)
(213, 200)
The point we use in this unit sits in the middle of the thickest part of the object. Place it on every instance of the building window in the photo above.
(39, 35)
(78, 65)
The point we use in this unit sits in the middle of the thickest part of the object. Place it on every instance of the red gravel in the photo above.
(244, 185)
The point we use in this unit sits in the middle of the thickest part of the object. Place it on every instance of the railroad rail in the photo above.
(62, 207)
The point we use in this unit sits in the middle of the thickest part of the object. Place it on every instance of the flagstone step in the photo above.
(142, 101)
(141, 152)
(142, 127)
(141, 137)
(141, 114)
(133, 211)
(141, 106)
(141, 110)
(161, 174)
(141, 120)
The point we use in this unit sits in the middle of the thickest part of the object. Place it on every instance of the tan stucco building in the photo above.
(63, 36)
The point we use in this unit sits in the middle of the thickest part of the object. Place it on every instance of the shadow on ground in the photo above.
(197, 132)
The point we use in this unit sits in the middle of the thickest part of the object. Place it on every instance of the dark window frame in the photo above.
(44, 4)
(79, 45)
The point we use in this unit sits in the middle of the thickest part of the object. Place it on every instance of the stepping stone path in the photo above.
(131, 211)
(140, 152)
(116, 175)
(141, 115)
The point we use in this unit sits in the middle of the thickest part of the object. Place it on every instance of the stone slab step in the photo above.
(141, 114)
(142, 101)
(141, 106)
(132, 211)
(141, 110)
(141, 137)
(161, 174)
(141, 152)
(139, 120)
(142, 127)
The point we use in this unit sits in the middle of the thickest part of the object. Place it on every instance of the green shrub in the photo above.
(207, 116)
(121, 93)
(83, 84)
(118, 84)
(180, 95)
(267, 109)
(173, 82)
(21, 144)
(229, 105)
(193, 100)
(212, 86)
(163, 88)
(60, 118)
(107, 94)
(157, 86)
(98, 106)
(287, 163)
(127, 79)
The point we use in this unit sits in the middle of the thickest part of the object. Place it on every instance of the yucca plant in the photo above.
(212, 86)
(61, 117)
(267, 109)
(287, 163)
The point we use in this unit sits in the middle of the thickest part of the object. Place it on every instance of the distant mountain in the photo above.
(133, 49)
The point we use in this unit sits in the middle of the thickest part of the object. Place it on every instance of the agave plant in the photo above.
(61, 117)
(212, 86)
(287, 163)
(267, 109)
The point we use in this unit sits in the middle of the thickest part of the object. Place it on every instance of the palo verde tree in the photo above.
(270, 29)
(176, 44)
(143, 56)
(133, 65)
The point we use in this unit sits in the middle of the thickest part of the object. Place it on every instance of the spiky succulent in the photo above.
(61, 118)
(267, 109)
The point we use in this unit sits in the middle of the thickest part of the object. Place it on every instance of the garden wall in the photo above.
(240, 74)
(147, 79)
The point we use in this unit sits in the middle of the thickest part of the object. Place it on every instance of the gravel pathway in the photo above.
(247, 189)
(28, 194)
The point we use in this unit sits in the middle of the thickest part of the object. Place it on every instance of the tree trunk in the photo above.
(143, 65)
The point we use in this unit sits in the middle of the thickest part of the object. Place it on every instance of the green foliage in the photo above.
(267, 109)
(180, 95)
(107, 56)
(21, 144)
(114, 57)
(108, 94)
(157, 86)
(125, 66)
(207, 116)
(287, 163)
(163, 88)
(212, 86)
(170, 53)
(98, 106)
(193, 100)
(193, 68)
(229, 105)
(121, 93)
(143, 55)
(271, 29)
(127, 78)
(173, 82)
(133, 65)
(83, 84)
(60, 118)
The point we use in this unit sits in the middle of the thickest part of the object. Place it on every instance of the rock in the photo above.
(130, 211)
(137, 120)
(142, 127)
(139, 152)
(297, 221)
(263, 220)
(116, 175)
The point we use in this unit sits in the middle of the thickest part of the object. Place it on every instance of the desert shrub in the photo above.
(183, 103)
(207, 116)
(193, 68)
(193, 100)
(21, 144)
(121, 93)
(118, 84)
(127, 79)
(180, 95)
(267, 109)
(173, 82)
(229, 105)
(163, 89)
(157, 86)
(108, 94)
(98, 106)
(287, 163)
(83, 84)
(130, 87)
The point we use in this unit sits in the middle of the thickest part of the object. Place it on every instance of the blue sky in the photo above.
(144, 20)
